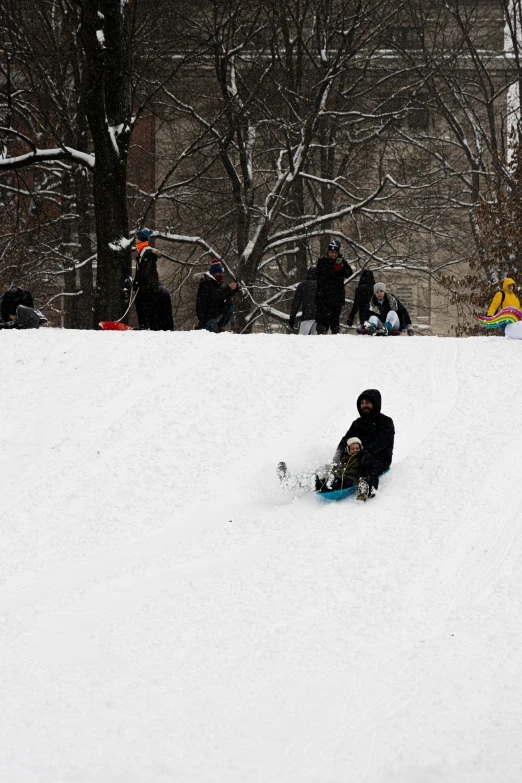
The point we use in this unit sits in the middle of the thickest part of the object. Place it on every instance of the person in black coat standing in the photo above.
(361, 300)
(304, 300)
(376, 433)
(214, 301)
(153, 302)
(332, 271)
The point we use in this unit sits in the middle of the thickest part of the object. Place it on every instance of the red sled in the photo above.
(115, 326)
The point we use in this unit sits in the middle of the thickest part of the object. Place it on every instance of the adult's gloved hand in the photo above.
(367, 461)
(349, 322)
(291, 323)
(410, 331)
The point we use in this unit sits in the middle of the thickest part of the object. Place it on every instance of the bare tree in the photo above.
(278, 138)
(97, 73)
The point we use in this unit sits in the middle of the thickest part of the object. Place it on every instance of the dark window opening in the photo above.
(404, 38)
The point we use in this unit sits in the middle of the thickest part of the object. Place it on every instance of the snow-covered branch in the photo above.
(42, 156)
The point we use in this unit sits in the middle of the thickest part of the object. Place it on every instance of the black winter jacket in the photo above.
(330, 284)
(304, 298)
(12, 298)
(213, 297)
(363, 294)
(376, 432)
(146, 277)
(381, 308)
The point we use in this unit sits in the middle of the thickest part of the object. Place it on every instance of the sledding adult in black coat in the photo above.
(361, 300)
(376, 432)
(332, 271)
(11, 299)
(304, 300)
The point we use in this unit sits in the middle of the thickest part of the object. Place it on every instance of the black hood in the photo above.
(312, 273)
(367, 278)
(373, 396)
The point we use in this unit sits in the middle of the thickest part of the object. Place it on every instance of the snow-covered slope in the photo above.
(169, 615)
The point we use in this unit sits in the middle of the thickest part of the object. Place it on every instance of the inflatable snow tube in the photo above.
(514, 331)
(508, 315)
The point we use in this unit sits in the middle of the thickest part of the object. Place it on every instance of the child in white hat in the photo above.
(344, 474)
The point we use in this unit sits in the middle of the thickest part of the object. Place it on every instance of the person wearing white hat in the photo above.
(345, 471)
(387, 313)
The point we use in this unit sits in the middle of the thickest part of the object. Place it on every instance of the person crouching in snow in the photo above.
(18, 311)
(387, 314)
(347, 472)
(214, 305)
(505, 298)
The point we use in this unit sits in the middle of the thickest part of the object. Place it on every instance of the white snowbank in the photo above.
(169, 614)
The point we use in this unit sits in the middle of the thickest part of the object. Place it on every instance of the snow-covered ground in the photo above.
(169, 615)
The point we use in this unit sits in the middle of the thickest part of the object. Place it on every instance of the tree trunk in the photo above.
(248, 270)
(107, 103)
(113, 277)
(69, 303)
(85, 312)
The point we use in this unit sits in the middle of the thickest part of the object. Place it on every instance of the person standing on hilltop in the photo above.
(304, 300)
(361, 300)
(505, 298)
(153, 302)
(332, 271)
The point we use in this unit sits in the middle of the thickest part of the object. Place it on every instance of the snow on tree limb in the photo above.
(41, 156)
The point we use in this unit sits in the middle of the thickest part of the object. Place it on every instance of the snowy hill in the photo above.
(169, 615)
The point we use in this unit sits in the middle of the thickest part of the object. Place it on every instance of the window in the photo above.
(405, 38)
(414, 111)
(396, 105)
(419, 113)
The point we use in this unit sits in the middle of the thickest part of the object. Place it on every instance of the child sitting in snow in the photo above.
(345, 473)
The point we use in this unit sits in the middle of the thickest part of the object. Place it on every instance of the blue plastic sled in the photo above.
(337, 494)
(340, 494)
